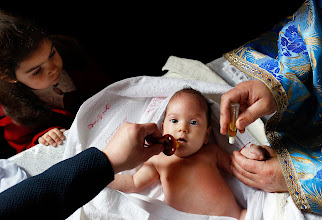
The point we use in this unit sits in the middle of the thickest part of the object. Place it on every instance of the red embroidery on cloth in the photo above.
(244, 146)
(115, 130)
(99, 117)
(154, 104)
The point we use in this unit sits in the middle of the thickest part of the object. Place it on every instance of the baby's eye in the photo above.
(174, 121)
(194, 123)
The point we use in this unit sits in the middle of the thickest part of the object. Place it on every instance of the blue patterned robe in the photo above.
(288, 59)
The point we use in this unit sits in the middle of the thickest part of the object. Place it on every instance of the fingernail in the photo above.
(242, 123)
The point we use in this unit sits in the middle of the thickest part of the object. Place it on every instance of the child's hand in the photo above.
(53, 137)
(254, 152)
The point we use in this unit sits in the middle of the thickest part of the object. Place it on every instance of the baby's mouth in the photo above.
(182, 140)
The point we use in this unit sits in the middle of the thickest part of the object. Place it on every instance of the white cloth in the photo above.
(39, 158)
(111, 204)
(141, 100)
(10, 174)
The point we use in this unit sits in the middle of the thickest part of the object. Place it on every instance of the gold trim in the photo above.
(263, 75)
(289, 173)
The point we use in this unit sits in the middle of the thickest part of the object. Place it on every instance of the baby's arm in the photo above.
(144, 177)
(223, 159)
(254, 152)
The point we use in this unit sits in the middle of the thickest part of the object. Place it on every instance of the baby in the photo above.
(190, 178)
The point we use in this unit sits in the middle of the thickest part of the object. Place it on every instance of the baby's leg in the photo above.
(254, 152)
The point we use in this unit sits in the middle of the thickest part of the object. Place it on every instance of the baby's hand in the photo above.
(53, 137)
(254, 152)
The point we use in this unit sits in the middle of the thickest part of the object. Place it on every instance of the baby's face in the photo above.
(186, 121)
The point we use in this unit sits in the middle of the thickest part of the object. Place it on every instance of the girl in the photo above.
(43, 81)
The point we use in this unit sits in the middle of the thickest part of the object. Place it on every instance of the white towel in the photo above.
(137, 100)
(143, 99)
(102, 112)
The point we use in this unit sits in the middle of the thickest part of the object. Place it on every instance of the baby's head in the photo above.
(187, 118)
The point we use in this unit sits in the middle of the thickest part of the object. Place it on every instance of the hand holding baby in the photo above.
(258, 166)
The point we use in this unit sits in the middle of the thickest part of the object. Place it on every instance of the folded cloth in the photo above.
(10, 174)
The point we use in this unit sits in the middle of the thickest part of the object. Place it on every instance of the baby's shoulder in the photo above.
(158, 160)
(209, 151)
(210, 148)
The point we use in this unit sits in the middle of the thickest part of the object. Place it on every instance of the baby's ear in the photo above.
(208, 131)
(207, 135)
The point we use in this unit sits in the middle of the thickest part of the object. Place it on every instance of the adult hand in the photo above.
(126, 150)
(265, 175)
(255, 99)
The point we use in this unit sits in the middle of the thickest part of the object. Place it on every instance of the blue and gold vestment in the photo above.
(288, 59)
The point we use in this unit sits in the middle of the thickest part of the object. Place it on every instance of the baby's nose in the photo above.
(183, 128)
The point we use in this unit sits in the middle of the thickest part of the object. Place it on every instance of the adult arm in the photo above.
(63, 188)
(256, 101)
(60, 190)
(293, 75)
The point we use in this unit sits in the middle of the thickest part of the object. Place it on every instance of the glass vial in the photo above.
(232, 130)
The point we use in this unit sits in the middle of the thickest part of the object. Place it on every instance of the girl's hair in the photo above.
(19, 38)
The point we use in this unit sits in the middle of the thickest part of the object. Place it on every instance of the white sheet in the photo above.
(111, 204)
(141, 100)
(10, 174)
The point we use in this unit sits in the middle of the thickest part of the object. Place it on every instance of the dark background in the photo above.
(131, 39)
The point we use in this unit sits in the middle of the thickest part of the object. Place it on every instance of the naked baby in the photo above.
(190, 178)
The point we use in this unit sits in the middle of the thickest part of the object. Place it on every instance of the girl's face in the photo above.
(186, 121)
(42, 68)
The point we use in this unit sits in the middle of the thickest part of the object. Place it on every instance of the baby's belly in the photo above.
(206, 196)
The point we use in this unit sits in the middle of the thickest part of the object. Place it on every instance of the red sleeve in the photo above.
(22, 138)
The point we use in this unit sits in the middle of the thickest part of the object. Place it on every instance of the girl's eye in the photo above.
(174, 121)
(193, 122)
(37, 72)
(52, 53)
